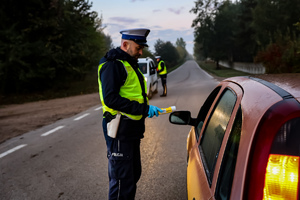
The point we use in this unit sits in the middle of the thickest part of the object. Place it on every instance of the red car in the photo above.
(245, 141)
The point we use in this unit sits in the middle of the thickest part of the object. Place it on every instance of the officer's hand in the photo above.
(153, 110)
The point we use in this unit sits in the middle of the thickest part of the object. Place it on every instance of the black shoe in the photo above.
(163, 95)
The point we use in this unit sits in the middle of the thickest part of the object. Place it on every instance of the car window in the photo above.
(227, 169)
(152, 68)
(204, 110)
(214, 131)
(143, 67)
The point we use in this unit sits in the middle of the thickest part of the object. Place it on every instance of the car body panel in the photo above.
(270, 124)
(201, 187)
(197, 188)
(254, 101)
(265, 108)
(147, 67)
(288, 82)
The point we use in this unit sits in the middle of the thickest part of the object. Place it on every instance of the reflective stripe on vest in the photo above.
(131, 90)
(159, 68)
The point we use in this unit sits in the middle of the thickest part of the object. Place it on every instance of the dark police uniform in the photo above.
(123, 152)
(162, 71)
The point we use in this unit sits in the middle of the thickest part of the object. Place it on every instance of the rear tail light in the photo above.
(281, 179)
(273, 168)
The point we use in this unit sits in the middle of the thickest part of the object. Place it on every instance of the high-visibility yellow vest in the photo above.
(131, 90)
(159, 68)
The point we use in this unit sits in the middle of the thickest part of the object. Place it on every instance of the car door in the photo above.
(214, 123)
(153, 76)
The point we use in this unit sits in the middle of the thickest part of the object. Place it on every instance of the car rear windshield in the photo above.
(287, 139)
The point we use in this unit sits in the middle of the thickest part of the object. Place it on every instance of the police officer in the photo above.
(162, 71)
(122, 89)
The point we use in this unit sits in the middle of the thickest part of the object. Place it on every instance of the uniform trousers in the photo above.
(124, 167)
(164, 83)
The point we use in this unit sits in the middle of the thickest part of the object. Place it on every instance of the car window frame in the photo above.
(211, 174)
(239, 91)
(199, 185)
(205, 109)
(232, 146)
(151, 68)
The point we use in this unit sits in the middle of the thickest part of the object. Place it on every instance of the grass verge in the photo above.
(87, 86)
(224, 72)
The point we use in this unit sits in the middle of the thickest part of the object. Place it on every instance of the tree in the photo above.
(204, 38)
(224, 28)
(158, 46)
(147, 53)
(108, 42)
(282, 56)
(204, 9)
(198, 51)
(215, 30)
(271, 16)
(167, 51)
(245, 45)
(47, 43)
(275, 24)
(180, 43)
(180, 47)
(247, 29)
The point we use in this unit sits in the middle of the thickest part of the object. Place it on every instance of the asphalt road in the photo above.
(67, 159)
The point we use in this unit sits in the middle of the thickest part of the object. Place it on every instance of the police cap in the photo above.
(138, 35)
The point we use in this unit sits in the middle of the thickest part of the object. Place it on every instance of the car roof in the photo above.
(289, 83)
(144, 59)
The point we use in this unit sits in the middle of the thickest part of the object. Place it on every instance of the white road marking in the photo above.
(98, 108)
(12, 150)
(52, 131)
(44, 134)
(82, 116)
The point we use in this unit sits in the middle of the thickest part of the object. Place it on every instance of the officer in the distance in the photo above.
(162, 71)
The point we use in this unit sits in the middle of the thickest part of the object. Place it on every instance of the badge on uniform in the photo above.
(113, 125)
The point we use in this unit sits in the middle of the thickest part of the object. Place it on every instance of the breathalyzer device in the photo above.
(167, 110)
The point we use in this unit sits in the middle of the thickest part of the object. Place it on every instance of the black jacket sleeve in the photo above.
(113, 76)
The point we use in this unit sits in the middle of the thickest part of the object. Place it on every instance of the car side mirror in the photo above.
(182, 118)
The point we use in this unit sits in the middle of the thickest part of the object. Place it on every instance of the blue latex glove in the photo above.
(153, 110)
